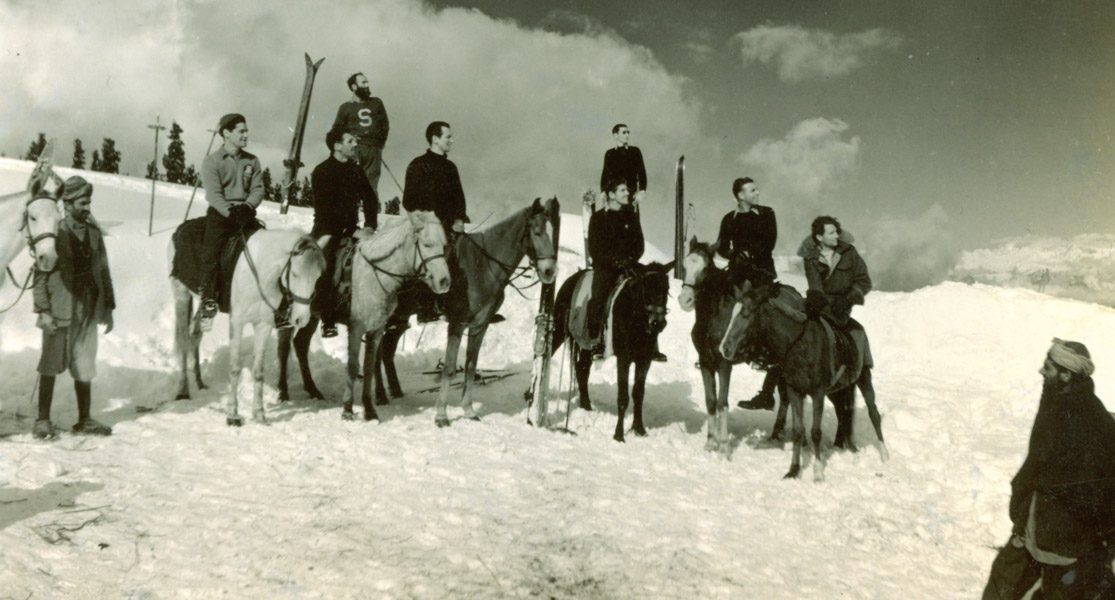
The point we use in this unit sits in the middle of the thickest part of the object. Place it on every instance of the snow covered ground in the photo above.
(176, 504)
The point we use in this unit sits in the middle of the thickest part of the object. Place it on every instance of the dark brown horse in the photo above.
(762, 319)
(485, 263)
(639, 316)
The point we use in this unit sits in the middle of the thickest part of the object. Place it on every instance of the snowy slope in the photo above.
(176, 504)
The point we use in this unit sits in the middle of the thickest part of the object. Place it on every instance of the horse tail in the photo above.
(562, 305)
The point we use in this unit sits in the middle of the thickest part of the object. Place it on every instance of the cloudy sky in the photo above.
(921, 125)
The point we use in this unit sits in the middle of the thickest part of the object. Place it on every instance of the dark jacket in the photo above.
(626, 164)
(749, 235)
(615, 239)
(433, 183)
(1071, 467)
(54, 291)
(366, 119)
(846, 285)
(340, 191)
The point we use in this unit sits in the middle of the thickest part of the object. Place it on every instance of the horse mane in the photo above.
(389, 237)
(307, 246)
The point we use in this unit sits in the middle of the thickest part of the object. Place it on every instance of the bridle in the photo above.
(25, 226)
(299, 249)
(652, 310)
(419, 267)
(515, 271)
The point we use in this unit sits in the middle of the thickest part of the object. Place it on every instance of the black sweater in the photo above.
(433, 183)
(615, 239)
(751, 233)
(340, 191)
(627, 165)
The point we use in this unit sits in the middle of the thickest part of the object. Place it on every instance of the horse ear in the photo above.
(323, 240)
(693, 242)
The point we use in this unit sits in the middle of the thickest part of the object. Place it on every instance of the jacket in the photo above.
(54, 291)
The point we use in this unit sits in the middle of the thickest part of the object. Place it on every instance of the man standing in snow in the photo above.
(340, 191)
(625, 163)
(233, 188)
(365, 115)
(1062, 500)
(71, 301)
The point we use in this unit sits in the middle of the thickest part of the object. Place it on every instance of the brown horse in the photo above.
(762, 319)
(485, 261)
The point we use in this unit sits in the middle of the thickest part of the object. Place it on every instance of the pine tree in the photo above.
(293, 192)
(393, 206)
(267, 184)
(79, 155)
(110, 157)
(174, 161)
(191, 176)
(96, 164)
(152, 171)
(37, 147)
(307, 196)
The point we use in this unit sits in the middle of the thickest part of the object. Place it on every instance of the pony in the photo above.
(486, 261)
(639, 315)
(29, 219)
(274, 264)
(761, 319)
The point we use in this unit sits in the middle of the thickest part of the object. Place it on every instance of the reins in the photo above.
(284, 289)
(31, 242)
(514, 272)
(417, 275)
(22, 288)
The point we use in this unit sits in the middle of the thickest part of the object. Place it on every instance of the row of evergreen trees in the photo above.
(175, 170)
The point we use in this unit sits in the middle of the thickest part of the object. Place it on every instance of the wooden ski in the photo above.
(294, 159)
(679, 221)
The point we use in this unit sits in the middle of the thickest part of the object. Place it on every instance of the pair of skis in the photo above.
(294, 158)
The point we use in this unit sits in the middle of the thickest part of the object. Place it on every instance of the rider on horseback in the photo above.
(340, 191)
(233, 184)
(837, 275)
(615, 243)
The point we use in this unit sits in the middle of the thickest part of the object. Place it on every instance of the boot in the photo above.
(328, 329)
(282, 314)
(43, 430)
(85, 423)
(762, 401)
(205, 315)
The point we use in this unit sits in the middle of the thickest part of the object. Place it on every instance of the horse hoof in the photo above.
(182, 397)
(794, 473)
(441, 421)
(474, 418)
(619, 438)
(884, 454)
(712, 445)
(370, 416)
(234, 421)
(284, 397)
(639, 431)
(202, 386)
(348, 416)
(382, 402)
(586, 406)
(397, 393)
(818, 472)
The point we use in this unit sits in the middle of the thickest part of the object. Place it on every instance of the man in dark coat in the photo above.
(340, 191)
(71, 301)
(836, 273)
(365, 116)
(624, 162)
(1062, 500)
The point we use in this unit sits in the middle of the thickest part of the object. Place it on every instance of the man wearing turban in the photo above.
(71, 301)
(1063, 498)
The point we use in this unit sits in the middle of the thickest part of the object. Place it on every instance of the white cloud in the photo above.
(802, 54)
(904, 254)
(531, 110)
(810, 161)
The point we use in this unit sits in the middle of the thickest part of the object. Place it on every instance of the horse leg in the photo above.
(783, 405)
(638, 391)
(623, 366)
(283, 352)
(868, 391)
(798, 428)
(235, 335)
(262, 333)
(724, 374)
(195, 340)
(355, 333)
(582, 366)
(843, 403)
(472, 355)
(387, 349)
(183, 344)
(709, 379)
(818, 415)
(302, 341)
(371, 372)
(452, 346)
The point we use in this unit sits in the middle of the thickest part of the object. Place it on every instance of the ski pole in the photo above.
(194, 193)
(388, 169)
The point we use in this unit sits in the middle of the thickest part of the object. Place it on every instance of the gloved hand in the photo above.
(815, 302)
(242, 214)
(458, 225)
(840, 306)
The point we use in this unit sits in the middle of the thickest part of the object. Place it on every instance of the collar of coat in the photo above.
(811, 250)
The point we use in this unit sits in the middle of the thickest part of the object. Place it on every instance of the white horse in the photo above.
(275, 263)
(400, 250)
(30, 219)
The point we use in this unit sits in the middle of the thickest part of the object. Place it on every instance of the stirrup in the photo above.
(282, 314)
(328, 331)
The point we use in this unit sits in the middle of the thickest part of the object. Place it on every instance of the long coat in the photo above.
(54, 291)
(849, 281)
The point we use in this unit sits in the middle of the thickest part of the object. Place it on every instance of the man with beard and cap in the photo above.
(233, 184)
(340, 192)
(71, 301)
(1062, 500)
(365, 116)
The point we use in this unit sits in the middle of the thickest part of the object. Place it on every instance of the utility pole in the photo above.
(154, 174)
(193, 193)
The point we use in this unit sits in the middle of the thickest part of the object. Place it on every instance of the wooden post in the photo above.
(154, 174)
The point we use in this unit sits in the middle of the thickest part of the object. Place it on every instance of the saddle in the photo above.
(340, 281)
(188, 241)
(850, 354)
(577, 321)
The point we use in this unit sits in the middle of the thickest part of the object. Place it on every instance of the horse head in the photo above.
(749, 299)
(696, 264)
(651, 288)
(431, 243)
(42, 214)
(542, 233)
(304, 267)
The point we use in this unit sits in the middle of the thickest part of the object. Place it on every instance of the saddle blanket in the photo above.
(188, 242)
(577, 323)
